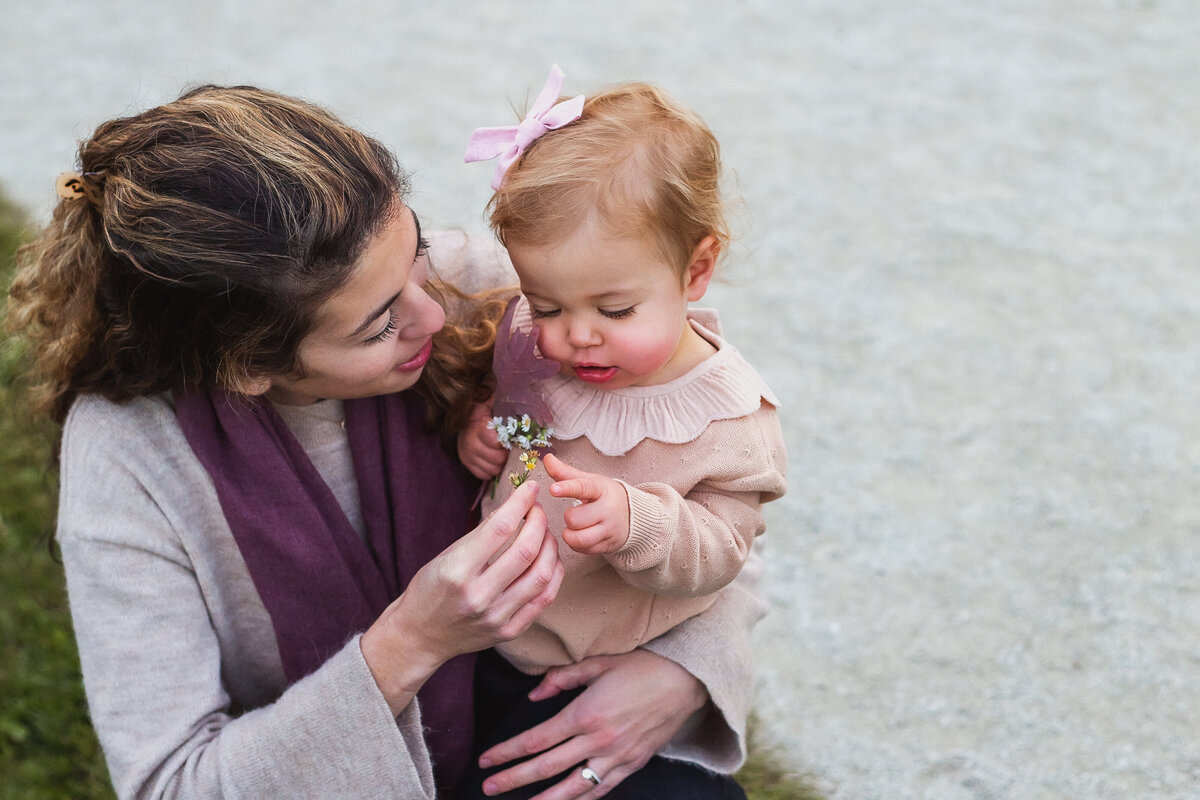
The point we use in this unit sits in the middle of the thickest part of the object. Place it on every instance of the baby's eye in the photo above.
(539, 314)
(624, 312)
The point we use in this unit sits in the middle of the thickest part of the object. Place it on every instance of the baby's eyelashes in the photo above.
(619, 314)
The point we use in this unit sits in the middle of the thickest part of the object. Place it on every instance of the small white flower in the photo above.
(529, 436)
(497, 424)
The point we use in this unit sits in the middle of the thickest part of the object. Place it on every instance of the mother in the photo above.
(263, 540)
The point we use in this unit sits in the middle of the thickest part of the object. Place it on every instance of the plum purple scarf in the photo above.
(319, 581)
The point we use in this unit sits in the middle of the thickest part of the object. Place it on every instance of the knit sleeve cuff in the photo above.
(642, 548)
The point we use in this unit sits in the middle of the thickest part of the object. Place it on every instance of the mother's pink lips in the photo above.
(417, 361)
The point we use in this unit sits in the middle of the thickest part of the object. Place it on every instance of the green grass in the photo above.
(765, 778)
(47, 747)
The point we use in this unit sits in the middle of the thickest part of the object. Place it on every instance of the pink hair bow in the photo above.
(508, 142)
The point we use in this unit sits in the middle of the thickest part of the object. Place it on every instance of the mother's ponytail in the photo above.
(52, 300)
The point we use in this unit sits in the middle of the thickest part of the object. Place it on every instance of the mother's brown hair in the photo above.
(211, 230)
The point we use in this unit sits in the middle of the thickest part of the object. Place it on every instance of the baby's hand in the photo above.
(601, 523)
(478, 448)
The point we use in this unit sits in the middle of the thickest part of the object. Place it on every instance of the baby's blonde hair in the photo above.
(636, 163)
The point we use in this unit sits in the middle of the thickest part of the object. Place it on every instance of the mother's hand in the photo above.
(487, 587)
(633, 705)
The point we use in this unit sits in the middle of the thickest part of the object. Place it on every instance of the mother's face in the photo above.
(375, 334)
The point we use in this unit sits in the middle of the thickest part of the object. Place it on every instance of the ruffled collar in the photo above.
(723, 386)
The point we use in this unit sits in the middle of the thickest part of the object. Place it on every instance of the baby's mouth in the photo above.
(592, 373)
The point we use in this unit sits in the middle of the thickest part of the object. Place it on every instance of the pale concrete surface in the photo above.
(969, 267)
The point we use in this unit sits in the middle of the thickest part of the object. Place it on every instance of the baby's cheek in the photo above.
(562, 356)
(647, 355)
(550, 348)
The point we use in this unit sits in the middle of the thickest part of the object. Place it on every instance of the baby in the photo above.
(664, 442)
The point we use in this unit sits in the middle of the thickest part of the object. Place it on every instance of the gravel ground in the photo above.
(968, 265)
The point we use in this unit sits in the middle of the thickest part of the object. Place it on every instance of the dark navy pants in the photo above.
(502, 710)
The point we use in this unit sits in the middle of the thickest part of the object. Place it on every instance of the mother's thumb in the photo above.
(506, 519)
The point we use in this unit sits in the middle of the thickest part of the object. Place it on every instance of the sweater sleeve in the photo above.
(695, 544)
(715, 646)
(154, 636)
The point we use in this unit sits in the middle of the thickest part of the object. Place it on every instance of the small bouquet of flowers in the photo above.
(522, 417)
(531, 437)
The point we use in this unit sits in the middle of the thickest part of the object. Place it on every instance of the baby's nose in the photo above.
(582, 334)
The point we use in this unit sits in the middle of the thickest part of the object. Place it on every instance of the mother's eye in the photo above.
(393, 322)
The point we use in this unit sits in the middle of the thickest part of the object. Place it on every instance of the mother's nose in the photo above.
(425, 315)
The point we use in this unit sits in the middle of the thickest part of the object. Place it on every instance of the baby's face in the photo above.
(610, 310)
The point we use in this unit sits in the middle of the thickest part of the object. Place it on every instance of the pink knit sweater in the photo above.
(698, 456)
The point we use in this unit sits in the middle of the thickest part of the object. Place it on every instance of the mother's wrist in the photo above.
(399, 670)
(689, 692)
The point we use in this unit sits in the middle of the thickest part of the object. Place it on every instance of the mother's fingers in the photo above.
(542, 766)
(494, 534)
(576, 787)
(554, 731)
(567, 677)
(537, 587)
(519, 552)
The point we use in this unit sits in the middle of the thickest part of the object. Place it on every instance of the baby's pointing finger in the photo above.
(560, 470)
(583, 489)
(568, 481)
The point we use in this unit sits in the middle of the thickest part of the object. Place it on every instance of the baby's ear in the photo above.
(702, 264)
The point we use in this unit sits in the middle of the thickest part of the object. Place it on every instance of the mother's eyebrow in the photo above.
(379, 312)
